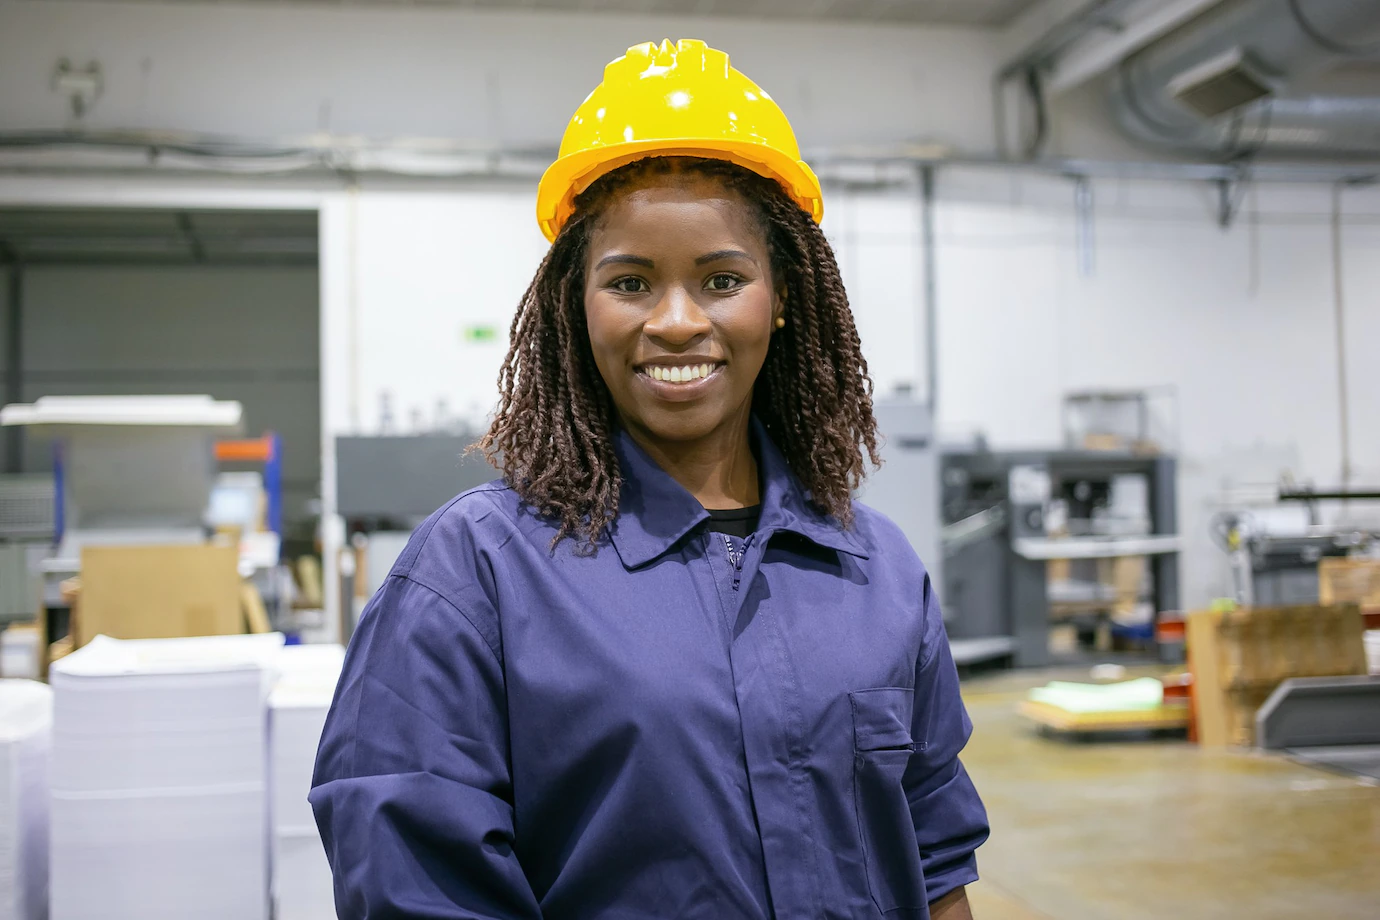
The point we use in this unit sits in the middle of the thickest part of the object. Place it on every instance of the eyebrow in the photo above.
(625, 259)
(722, 254)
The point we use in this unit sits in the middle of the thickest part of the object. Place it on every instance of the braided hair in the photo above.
(553, 431)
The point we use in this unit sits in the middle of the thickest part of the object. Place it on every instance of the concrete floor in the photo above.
(1154, 829)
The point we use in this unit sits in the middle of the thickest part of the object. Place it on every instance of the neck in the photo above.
(718, 469)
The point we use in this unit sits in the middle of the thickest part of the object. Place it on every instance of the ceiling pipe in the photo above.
(1031, 65)
(434, 161)
(1252, 51)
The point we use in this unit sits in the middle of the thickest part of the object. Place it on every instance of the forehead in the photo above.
(677, 209)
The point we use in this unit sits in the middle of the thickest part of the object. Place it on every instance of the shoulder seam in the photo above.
(436, 519)
(498, 658)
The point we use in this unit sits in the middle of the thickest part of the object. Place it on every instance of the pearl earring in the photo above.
(781, 322)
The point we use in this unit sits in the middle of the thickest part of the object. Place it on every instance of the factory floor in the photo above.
(1154, 829)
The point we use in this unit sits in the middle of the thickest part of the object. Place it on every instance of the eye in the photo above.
(723, 282)
(630, 285)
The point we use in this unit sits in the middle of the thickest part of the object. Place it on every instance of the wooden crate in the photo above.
(1239, 656)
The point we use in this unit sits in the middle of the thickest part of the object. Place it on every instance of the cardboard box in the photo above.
(1349, 581)
(158, 592)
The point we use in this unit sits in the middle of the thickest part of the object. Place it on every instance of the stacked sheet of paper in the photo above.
(159, 779)
(26, 715)
(1144, 693)
(297, 714)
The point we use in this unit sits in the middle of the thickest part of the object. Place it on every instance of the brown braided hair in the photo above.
(553, 432)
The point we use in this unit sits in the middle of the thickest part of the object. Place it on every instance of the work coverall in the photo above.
(679, 725)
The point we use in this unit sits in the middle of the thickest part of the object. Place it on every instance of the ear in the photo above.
(778, 306)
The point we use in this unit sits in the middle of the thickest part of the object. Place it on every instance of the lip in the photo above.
(678, 392)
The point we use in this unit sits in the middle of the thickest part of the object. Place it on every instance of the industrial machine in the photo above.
(26, 532)
(906, 488)
(1274, 546)
(1009, 514)
(385, 486)
(395, 481)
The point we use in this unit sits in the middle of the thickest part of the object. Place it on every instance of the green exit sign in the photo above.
(479, 333)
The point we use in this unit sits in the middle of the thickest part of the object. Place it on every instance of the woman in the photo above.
(665, 667)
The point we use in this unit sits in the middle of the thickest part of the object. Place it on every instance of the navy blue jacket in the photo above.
(666, 728)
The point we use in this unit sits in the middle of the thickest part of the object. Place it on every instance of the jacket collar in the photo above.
(655, 511)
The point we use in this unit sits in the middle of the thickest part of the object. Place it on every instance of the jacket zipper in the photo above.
(735, 559)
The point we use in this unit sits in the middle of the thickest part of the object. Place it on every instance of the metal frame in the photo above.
(1023, 579)
(1320, 712)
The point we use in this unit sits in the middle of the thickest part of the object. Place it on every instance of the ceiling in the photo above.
(987, 13)
(116, 236)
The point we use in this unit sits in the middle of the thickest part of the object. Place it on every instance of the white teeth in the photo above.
(679, 374)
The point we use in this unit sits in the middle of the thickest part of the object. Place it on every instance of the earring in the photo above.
(781, 322)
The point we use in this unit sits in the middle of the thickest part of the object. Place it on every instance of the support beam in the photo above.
(14, 363)
(931, 296)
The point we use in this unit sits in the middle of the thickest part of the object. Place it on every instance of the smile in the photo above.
(687, 373)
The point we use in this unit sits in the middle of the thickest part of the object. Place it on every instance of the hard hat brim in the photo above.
(572, 174)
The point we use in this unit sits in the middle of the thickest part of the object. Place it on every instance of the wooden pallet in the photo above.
(1170, 716)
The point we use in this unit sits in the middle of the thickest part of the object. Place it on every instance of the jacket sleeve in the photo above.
(950, 820)
(412, 790)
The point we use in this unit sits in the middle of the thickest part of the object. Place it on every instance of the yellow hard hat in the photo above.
(673, 100)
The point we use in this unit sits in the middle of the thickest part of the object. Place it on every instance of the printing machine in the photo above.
(1007, 514)
(1274, 546)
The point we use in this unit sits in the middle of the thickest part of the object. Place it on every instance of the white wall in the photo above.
(427, 266)
(514, 79)
(876, 239)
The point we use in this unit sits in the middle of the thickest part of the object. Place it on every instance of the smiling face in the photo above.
(680, 306)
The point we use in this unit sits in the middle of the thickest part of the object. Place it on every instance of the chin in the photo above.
(690, 423)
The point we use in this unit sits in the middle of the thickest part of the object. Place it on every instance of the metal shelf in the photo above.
(1095, 548)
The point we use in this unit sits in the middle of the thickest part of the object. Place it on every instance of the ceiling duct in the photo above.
(1221, 85)
(1228, 81)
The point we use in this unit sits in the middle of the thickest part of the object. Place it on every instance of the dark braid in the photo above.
(553, 431)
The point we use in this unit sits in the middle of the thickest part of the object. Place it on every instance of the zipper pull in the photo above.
(737, 558)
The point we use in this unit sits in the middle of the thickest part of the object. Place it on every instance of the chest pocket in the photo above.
(882, 746)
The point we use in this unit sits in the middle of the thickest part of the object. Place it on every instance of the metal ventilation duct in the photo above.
(1220, 84)
(1224, 84)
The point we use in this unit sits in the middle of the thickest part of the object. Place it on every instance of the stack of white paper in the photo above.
(26, 715)
(159, 785)
(297, 714)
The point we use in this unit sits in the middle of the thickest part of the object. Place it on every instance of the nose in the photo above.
(677, 321)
